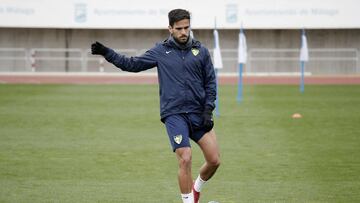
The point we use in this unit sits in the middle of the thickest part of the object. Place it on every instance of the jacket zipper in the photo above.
(186, 82)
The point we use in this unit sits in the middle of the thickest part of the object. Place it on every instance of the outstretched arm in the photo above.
(130, 64)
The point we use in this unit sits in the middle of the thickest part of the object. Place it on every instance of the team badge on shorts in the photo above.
(195, 51)
(178, 139)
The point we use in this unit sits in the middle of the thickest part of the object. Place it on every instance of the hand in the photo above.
(208, 122)
(98, 49)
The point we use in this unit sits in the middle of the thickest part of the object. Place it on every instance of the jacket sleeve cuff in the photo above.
(209, 107)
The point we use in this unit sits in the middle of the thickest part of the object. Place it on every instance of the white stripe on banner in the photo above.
(217, 52)
(304, 52)
(242, 48)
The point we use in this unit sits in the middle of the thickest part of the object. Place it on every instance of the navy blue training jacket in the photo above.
(186, 77)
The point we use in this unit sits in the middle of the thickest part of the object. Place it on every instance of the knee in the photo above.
(214, 161)
(185, 159)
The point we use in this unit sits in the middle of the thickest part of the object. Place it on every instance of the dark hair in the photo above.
(177, 15)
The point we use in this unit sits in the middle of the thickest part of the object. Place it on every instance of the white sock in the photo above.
(187, 198)
(199, 184)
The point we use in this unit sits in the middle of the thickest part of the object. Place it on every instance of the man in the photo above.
(187, 94)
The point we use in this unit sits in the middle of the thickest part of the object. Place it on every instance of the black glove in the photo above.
(208, 122)
(98, 49)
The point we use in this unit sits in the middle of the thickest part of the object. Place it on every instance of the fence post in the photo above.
(84, 61)
(27, 60)
(101, 63)
(32, 60)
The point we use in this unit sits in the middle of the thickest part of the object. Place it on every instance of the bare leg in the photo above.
(210, 149)
(184, 174)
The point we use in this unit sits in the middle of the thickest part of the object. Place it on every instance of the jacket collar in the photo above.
(169, 43)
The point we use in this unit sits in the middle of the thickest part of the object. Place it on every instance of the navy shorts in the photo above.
(183, 127)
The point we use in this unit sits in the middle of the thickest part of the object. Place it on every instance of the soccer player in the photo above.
(187, 94)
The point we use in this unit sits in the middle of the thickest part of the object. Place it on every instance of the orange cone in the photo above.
(296, 115)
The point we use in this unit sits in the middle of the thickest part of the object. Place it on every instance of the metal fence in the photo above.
(260, 61)
(14, 59)
(321, 61)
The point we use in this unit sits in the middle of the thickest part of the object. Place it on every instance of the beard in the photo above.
(180, 41)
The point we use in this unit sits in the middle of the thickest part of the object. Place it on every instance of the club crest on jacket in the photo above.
(195, 51)
(178, 139)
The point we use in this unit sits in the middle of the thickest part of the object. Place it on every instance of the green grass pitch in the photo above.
(105, 143)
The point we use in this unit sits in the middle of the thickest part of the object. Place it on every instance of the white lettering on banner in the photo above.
(140, 14)
(292, 12)
(231, 13)
(114, 12)
(80, 13)
(17, 10)
(327, 12)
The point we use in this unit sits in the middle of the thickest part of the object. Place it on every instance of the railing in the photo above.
(96, 63)
(321, 61)
(45, 59)
(14, 59)
(260, 61)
